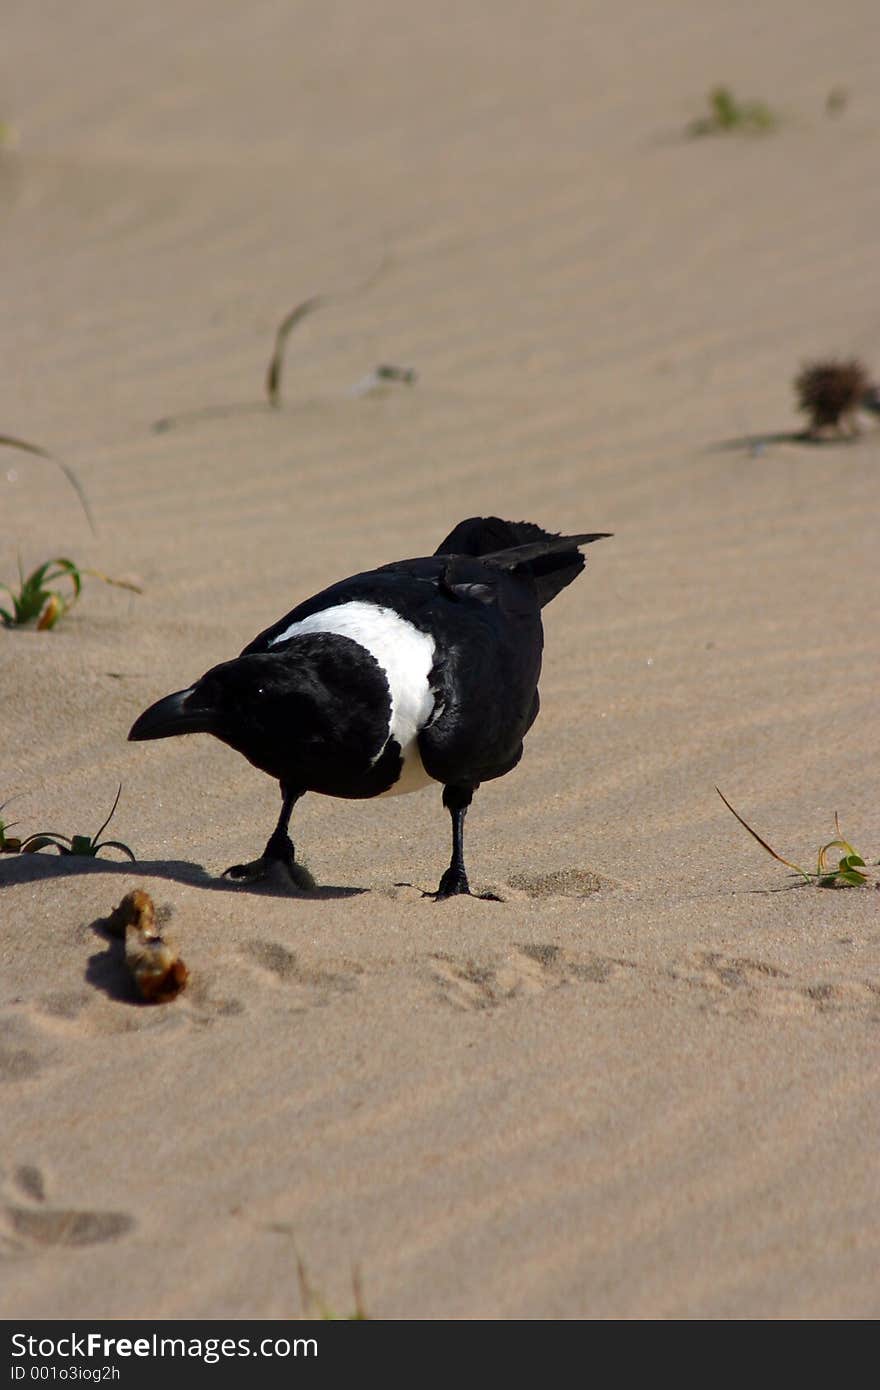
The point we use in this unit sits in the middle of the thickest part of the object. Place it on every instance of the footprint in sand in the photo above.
(528, 969)
(273, 957)
(66, 1005)
(851, 996)
(562, 883)
(38, 1226)
(18, 1063)
(24, 1054)
(736, 984)
(313, 984)
(29, 1179)
(744, 986)
(79, 1014)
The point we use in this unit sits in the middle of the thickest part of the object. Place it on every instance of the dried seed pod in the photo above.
(831, 393)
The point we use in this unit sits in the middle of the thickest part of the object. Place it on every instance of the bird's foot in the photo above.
(454, 883)
(276, 865)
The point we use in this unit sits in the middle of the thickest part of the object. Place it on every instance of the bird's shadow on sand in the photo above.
(37, 868)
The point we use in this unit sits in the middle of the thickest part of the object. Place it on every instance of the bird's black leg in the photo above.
(455, 880)
(277, 860)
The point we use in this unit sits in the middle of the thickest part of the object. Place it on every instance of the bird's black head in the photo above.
(248, 703)
(316, 714)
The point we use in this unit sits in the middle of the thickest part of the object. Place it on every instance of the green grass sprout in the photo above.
(849, 866)
(87, 846)
(727, 115)
(848, 873)
(9, 844)
(35, 601)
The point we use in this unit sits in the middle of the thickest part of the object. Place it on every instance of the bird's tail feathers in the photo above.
(552, 561)
(484, 535)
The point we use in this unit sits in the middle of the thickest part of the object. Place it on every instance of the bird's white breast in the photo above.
(405, 656)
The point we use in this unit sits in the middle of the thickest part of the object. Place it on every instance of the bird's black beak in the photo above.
(176, 714)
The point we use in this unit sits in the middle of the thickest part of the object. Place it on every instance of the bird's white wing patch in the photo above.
(404, 654)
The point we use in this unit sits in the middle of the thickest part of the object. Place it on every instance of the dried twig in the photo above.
(276, 362)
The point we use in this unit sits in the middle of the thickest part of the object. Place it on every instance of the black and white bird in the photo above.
(419, 672)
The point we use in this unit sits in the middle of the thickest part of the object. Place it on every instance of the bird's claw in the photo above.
(253, 872)
(282, 871)
(454, 884)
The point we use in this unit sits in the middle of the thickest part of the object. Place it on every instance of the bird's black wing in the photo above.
(485, 675)
(408, 587)
(486, 626)
(472, 554)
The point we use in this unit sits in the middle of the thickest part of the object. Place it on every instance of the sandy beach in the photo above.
(644, 1084)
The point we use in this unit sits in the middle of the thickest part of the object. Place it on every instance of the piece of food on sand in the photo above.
(157, 970)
